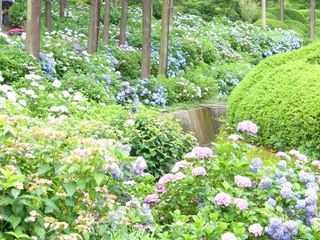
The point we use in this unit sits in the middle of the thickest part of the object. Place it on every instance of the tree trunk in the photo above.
(62, 5)
(94, 26)
(124, 16)
(146, 40)
(171, 12)
(115, 4)
(33, 27)
(48, 15)
(106, 22)
(1, 16)
(281, 10)
(164, 40)
(264, 13)
(312, 18)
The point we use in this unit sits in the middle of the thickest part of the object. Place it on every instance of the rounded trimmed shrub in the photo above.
(298, 27)
(272, 23)
(282, 96)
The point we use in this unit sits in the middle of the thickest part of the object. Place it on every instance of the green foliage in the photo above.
(16, 63)
(205, 9)
(18, 14)
(272, 96)
(298, 27)
(249, 10)
(158, 139)
(295, 15)
(273, 24)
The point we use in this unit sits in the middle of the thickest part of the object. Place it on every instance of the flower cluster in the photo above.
(242, 181)
(247, 127)
(278, 230)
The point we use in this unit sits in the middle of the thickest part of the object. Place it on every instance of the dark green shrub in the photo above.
(18, 13)
(159, 139)
(16, 63)
(271, 23)
(282, 95)
(205, 9)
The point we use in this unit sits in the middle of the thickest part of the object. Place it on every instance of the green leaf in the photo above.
(226, 185)
(14, 220)
(71, 188)
(6, 201)
(98, 177)
(51, 204)
(39, 231)
(44, 168)
(81, 184)
(15, 193)
(279, 209)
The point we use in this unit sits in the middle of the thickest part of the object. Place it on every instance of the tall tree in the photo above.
(62, 7)
(48, 15)
(94, 26)
(146, 40)
(281, 10)
(312, 18)
(123, 27)
(33, 27)
(164, 40)
(171, 12)
(106, 22)
(264, 13)
(1, 16)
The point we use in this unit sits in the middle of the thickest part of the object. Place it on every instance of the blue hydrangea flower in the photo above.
(286, 192)
(301, 204)
(282, 164)
(265, 183)
(272, 202)
(256, 164)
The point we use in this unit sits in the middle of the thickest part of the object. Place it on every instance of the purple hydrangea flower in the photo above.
(301, 204)
(241, 204)
(272, 202)
(139, 165)
(256, 164)
(282, 164)
(286, 192)
(152, 199)
(199, 171)
(265, 183)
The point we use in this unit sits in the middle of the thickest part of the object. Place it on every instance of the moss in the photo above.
(282, 96)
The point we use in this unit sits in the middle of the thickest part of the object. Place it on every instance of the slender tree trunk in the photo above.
(115, 4)
(94, 26)
(106, 22)
(171, 12)
(281, 10)
(164, 40)
(264, 13)
(33, 27)
(62, 5)
(124, 16)
(66, 4)
(48, 15)
(146, 40)
(312, 18)
(1, 16)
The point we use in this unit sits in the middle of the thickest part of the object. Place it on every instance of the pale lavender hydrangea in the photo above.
(283, 155)
(242, 181)
(152, 199)
(178, 165)
(256, 229)
(265, 183)
(301, 204)
(248, 127)
(282, 164)
(228, 236)
(286, 192)
(139, 165)
(222, 199)
(256, 164)
(198, 171)
(272, 202)
(202, 152)
(241, 204)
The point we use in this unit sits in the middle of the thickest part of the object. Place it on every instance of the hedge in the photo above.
(282, 96)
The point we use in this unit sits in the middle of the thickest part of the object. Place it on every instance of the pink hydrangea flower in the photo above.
(203, 152)
(222, 199)
(247, 127)
(190, 155)
(198, 171)
(241, 203)
(316, 163)
(178, 165)
(165, 179)
(152, 199)
(256, 229)
(242, 181)
(283, 155)
(228, 236)
(178, 176)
